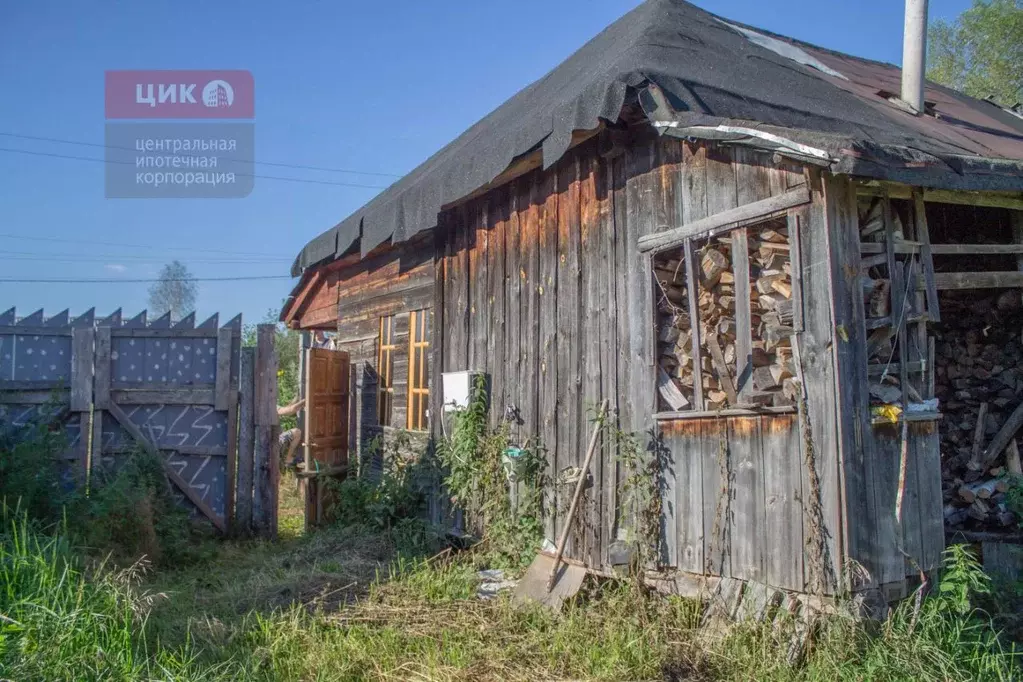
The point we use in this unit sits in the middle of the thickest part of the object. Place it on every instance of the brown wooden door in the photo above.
(326, 429)
(327, 408)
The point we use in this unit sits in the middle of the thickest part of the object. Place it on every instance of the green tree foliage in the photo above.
(175, 292)
(287, 342)
(981, 52)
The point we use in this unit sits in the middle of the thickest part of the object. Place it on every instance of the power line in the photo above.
(6, 280)
(73, 257)
(246, 175)
(58, 140)
(190, 249)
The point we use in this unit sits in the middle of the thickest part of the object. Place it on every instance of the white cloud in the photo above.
(116, 267)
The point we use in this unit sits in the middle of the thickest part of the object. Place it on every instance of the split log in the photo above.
(1012, 461)
(978, 436)
(712, 264)
(670, 392)
(1002, 438)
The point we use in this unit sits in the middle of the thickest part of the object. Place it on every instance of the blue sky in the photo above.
(374, 87)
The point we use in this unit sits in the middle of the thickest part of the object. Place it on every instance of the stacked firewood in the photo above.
(675, 338)
(771, 379)
(979, 381)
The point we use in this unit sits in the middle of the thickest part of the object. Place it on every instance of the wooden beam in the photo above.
(977, 280)
(923, 234)
(185, 395)
(222, 395)
(128, 425)
(1011, 200)
(694, 324)
(731, 412)
(756, 212)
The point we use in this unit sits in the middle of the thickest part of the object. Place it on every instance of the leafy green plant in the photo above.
(1014, 498)
(29, 473)
(477, 478)
(640, 511)
(393, 503)
(287, 343)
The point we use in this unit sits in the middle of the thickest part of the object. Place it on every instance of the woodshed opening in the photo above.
(945, 342)
(725, 319)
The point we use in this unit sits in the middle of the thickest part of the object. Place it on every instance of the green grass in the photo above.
(344, 604)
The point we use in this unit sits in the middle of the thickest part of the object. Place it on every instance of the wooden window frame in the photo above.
(686, 239)
(418, 378)
(385, 370)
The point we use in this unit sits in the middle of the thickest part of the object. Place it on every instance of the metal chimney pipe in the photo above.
(914, 54)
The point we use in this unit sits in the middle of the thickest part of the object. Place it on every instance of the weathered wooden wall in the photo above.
(541, 284)
(395, 282)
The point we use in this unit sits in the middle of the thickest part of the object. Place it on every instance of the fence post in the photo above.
(243, 503)
(100, 395)
(266, 466)
(82, 340)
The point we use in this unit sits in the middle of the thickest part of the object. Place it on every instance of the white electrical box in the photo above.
(457, 387)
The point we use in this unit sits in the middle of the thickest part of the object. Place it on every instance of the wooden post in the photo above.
(100, 395)
(265, 462)
(244, 479)
(82, 340)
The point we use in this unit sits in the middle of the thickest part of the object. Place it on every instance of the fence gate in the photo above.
(171, 389)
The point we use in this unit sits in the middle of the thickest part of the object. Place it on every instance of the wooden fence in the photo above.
(176, 390)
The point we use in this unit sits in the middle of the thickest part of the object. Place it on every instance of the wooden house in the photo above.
(747, 245)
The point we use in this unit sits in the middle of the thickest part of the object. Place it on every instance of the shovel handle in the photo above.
(578, 494)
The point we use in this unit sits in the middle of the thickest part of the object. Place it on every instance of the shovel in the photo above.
(548, 580)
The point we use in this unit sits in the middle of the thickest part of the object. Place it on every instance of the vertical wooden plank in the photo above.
(101, 378)
(100, 395)
(497, 220)
(689, 457)
(670, 214)
(743, 324)
(265, 464)
(230, 499)
(96, 442)
(246, 388)
(479, 313)
(796, 263)
(620, 295)
(694, 181)
(607, 193)
(82, 341)
(927, 451)
(782, 543)
(822, 527)
(746, 520)
(511, 354)
(713, 450)
(722, 193)
(593, 307)
(82, 353)
(529, 274)
(752, 183)
(696, 328)
(638, 305)
(222, 395)
(464, 239)
(923, 235)
(568, 337)
(548, 303)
